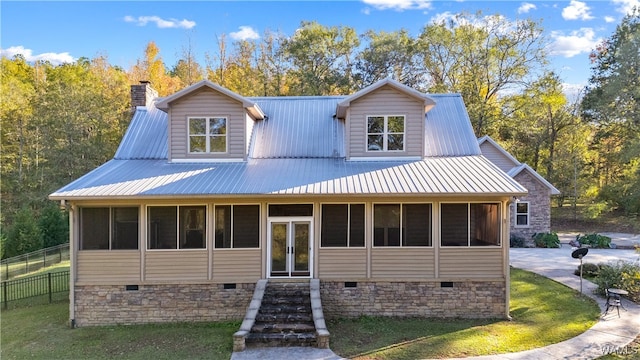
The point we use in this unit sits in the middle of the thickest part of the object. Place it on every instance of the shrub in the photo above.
(516, 241)
(588, 270)
(546, 240)
(595, 241)
(622, 275)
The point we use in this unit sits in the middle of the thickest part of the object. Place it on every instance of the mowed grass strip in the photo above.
(544, 312)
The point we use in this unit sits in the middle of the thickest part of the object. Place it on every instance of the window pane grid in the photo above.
(109, 228)
(385, 133)
(208, 135)
(237, 226)
(342, 225)
(470, 224)
(176, 227)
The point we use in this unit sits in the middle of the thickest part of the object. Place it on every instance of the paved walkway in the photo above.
(608, 334)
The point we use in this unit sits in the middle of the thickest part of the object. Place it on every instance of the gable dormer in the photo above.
(209, 123)
(385, 121)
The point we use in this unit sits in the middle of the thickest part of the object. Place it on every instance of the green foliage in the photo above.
(546, 240)
(622, 275)
(595, 241)
(516, 241)
(589, 270)
(54, 225)
(24, 235)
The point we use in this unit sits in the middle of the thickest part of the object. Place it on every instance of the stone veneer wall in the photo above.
(111, 304)
(466, 299)
(539, 207)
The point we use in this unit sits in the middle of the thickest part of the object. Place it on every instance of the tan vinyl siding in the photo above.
(496, 156)
(471, 262)
(386, 101)
(402, 263)
(342, 263)
(237, 264)
(176, 265)
(207, 103)
(108, 267)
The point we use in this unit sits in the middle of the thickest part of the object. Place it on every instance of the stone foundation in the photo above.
(111, 305)
(468, 299)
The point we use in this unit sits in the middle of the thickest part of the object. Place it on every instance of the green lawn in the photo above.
(544, 312)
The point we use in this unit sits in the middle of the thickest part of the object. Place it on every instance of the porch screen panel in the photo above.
(416, 225)
(291, 210)
(356, 225)
(454, 228)
(386, 223)
(163, 225)
(223, 226)
(125, 228)
(485, 224)
(192, 227)
(335, 227)
(246, 226)
(95, 229)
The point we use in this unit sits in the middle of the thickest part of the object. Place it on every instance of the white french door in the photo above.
(290, 246)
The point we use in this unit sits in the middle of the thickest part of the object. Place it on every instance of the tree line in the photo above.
(59, 122)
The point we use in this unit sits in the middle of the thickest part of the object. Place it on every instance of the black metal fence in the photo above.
(26, 263)
(33, 286)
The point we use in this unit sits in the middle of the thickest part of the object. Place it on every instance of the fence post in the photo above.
(6, 266)
(4, 292)
(50, 290)
(44, 258)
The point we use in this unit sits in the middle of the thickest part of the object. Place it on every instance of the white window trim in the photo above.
(500, 232)
(207, 136)
(348, 226)
(373, 225)
(206, 224)
(516, 213)
(385, 134)
(213, 228)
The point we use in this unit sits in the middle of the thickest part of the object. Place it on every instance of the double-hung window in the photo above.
(385, 133)
(402, 224)
(207, 134)
(470, 224)
(237, 226)
(522, 214)
(176, 227)
(342, 225)
(109, 228)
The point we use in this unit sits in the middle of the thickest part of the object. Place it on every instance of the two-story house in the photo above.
(383, 195)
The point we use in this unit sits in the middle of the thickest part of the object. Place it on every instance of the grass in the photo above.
(568, 219)
(544, 312)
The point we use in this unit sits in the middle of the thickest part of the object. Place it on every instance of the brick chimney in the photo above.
(142, 94)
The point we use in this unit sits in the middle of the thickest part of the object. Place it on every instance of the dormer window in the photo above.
(385, 133)
(207, 134)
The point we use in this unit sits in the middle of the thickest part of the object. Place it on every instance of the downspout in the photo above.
(72, 263)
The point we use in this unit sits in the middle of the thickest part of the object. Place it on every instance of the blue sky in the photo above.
(65, 31)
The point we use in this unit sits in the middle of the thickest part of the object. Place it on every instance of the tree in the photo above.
(322, 59)
(24, 235)
(481, 57)
(54, 226)
(151, 68)
(390, 54)
(612, 106)
(187, 69)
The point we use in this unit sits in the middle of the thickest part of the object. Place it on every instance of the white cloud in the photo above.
(578, 42)
(577, 10)
(53, 58)
(573, 92)
(160, 22)
(399, 5)
(625, 6)
(526, 7)
(245, 33)
(609, 19)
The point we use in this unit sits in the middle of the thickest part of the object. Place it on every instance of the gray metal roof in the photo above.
(298, 127)
(448, 130)
(147, 136)
(465, 175)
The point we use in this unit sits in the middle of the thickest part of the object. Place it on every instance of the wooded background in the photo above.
(59, 122)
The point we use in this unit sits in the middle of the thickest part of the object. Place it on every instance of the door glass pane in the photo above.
(301, 246)
(278, 247)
